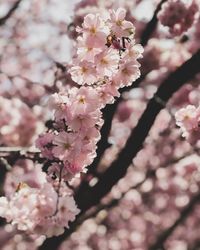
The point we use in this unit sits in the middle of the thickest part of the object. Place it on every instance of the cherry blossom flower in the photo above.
(84, 73)
(188, 120)
(86, 49)
(128, 72)
(107, 62)
(102, 68)
(119, 25)
(63, 144)
(94, 27)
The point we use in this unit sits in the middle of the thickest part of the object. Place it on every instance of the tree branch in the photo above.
(110, 110)
(10, 12)
(12, 154)
(135, 142)
(151, 25)
(118, 168)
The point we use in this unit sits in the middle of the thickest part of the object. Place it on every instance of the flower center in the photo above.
(67, 146)
(119, 22)
(82, 100)
(93, 30)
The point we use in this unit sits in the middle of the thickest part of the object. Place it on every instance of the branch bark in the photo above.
(151, 25)
(135, 142)
(10, 12)
(110, 110)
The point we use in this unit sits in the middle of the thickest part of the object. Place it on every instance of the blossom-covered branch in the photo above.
(118, 168)
(105, 61)
(110, 110)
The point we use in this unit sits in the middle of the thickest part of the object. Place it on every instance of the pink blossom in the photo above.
(86, 50)
(63, 144)
(106, 68)
(18, 124)
(188, 120)
(67, 211)
(128, 72)
(84, 73)
(119, 25)
(84, 121)
(24, 171)
(186, 117)
(178, 15)
(44, 142)
(133, 51)
(73, 168)
(84, 100)
(107, 62)
(35, 210)
(93, 27)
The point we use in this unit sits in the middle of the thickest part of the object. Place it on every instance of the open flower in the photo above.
(84, 73)
(63, 144)
(119, 26)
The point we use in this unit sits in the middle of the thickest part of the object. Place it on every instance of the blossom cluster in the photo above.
(85, 7)
(47, 207)
(178, 15)
(188, 119)
(105, 60)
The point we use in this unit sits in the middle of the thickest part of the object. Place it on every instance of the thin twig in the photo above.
(12, 154)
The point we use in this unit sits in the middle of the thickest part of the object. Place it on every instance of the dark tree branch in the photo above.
(108, 115)
(183, 216)
(10, 12)
(12, 154)
(196, 246)
(118, 168)
(135, 142)
(110, 110)
(151, 26)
